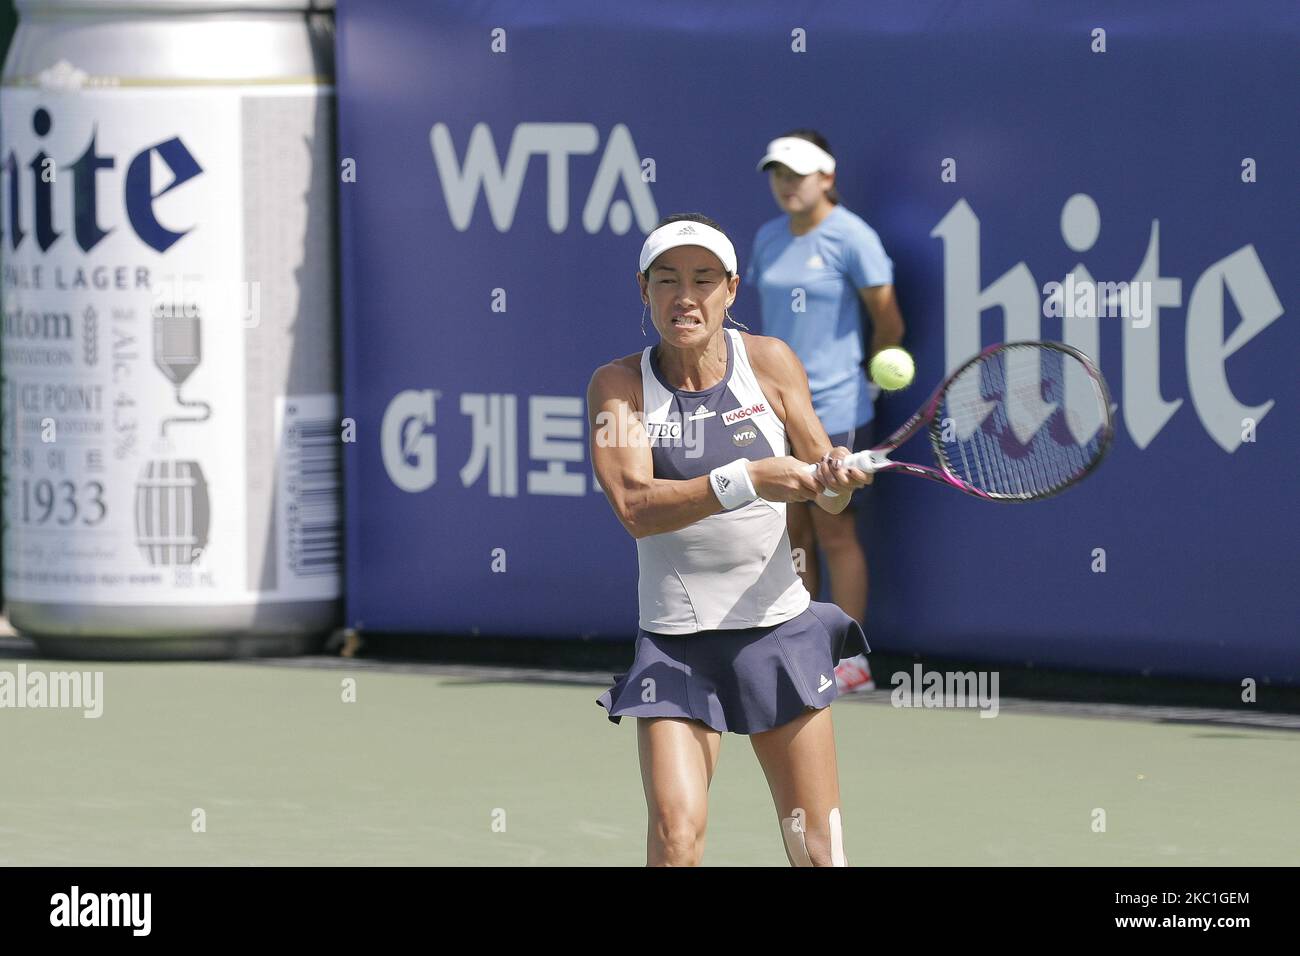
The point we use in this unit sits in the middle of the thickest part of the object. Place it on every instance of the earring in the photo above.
(646, 306)
(726, 312)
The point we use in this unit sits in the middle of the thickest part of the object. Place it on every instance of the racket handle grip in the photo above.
(862, 460)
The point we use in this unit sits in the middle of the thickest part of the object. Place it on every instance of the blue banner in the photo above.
(1124, 179)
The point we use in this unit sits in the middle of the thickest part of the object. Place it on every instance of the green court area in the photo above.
(474, 766)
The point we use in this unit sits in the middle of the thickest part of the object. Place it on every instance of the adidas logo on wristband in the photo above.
(732, 484)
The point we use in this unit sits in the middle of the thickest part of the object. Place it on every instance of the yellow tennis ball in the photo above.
(892, 369)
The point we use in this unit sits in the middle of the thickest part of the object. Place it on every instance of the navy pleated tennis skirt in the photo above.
(742, 681)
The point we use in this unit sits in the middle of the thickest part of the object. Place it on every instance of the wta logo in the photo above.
(743, 436)
(480, 171)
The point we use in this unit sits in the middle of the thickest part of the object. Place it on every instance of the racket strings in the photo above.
(1004, 396)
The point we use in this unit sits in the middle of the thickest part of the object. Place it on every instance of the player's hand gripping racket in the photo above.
(1018, 422)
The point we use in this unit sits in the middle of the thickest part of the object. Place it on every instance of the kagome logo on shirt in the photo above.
(740, 414)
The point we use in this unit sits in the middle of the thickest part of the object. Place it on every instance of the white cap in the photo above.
(799, 154)
(687, 232)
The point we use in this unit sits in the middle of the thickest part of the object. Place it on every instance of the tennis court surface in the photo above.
(478, 766)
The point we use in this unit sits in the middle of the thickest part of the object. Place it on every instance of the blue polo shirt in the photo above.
(830, 264)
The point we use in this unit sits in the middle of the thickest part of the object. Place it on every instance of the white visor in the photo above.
(799, 154)
(686, 232)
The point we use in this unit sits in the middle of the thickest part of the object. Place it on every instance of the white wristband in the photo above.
(732, 485)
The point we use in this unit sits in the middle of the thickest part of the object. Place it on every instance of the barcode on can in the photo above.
(313, 527)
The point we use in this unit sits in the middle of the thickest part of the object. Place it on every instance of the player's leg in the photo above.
(678, 758)
(803, 543)
(798, 759)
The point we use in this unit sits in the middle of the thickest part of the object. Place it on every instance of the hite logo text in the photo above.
(1238, 275)
(38, 200)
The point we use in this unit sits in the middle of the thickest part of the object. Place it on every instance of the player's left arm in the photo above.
(808, 439)
(886, 320)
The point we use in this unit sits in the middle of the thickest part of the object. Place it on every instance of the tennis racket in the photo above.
(1020, 421)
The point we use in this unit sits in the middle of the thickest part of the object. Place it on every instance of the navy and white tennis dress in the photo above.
(728, 634)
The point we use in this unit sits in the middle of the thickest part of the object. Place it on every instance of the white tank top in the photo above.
(730, 570)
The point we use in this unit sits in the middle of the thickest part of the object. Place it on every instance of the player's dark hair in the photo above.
(817, 139)
(690, 217)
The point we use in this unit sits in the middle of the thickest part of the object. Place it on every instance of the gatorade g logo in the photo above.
(39, 202)
(744, 435)
(407, 442)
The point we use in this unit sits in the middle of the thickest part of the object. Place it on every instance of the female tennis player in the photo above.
(691, 442)
(815, 268)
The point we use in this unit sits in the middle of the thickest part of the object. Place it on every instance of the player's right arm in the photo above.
(621, 457)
